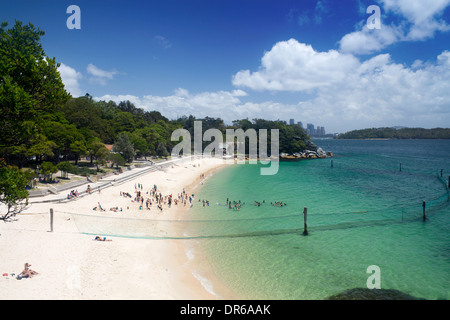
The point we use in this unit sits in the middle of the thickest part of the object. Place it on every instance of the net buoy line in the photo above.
(179, 221)
(158, 232)
(278, 232)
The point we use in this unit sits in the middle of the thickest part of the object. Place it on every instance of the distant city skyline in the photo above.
(318, 61)
(310, 129)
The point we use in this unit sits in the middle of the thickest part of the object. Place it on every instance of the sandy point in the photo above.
(72, 265)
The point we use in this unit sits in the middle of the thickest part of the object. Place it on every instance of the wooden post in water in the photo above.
(51, 220)
(424, 211)
(332, 163)
(442, 172)
(305, 221)
(449, 182)
(400, 167)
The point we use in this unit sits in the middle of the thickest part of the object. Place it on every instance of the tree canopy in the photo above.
(13, 195)
(31, 91)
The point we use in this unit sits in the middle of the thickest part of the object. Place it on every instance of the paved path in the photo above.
(61, 192)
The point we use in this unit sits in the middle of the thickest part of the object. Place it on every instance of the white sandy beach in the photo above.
(71, 265)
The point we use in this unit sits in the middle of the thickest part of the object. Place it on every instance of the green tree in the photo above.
(39, 147)
(78, 148)
(161, 150)
(13, 194)
(116, 159)
(124, 146)
(98, 151)
(65, 167)
(101, 155)
(48, 169)
(31, 88)
(124, 121)
(139, 143)
(64, 135)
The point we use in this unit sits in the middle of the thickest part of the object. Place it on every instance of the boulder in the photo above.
(321, 152)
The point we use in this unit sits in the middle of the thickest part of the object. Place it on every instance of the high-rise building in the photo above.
(320, 131)
(291, 121)
(310, 129)
(300, 124)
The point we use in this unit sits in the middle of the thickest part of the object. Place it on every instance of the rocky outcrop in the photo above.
(307, 154)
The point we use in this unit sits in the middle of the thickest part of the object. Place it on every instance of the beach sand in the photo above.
(72, 265)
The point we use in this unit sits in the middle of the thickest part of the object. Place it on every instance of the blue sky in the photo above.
(312, 60)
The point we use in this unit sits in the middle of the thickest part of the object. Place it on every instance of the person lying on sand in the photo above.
(97, 238)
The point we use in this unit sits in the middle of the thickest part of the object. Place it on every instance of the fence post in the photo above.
(305, 221)
(51, 220)
(424, 210)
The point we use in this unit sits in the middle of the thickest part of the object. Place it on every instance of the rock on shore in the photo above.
(307, 154)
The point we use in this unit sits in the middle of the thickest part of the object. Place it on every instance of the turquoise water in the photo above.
(363, 211)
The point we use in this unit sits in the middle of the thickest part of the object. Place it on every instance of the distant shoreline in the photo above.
(397, 134)
(384, 139)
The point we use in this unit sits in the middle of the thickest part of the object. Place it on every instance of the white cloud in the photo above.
(224, 104)
(294, 66)
(98, 75)
(368, 41)
(418, 11)
(347, 90)
(70, 77)
(419, 20)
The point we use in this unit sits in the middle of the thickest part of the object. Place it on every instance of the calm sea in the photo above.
(364, 208)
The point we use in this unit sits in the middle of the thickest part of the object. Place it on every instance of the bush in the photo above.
(65, 168)
(48, 169)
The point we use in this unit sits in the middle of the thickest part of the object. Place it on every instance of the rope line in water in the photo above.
(161, 228)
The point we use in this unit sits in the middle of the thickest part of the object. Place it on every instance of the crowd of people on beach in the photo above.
(153, 197)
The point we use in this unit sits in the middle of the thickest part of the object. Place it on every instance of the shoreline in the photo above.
(73, 266)
(200, 266)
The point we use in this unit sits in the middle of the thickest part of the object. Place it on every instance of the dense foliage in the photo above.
(393, 133)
